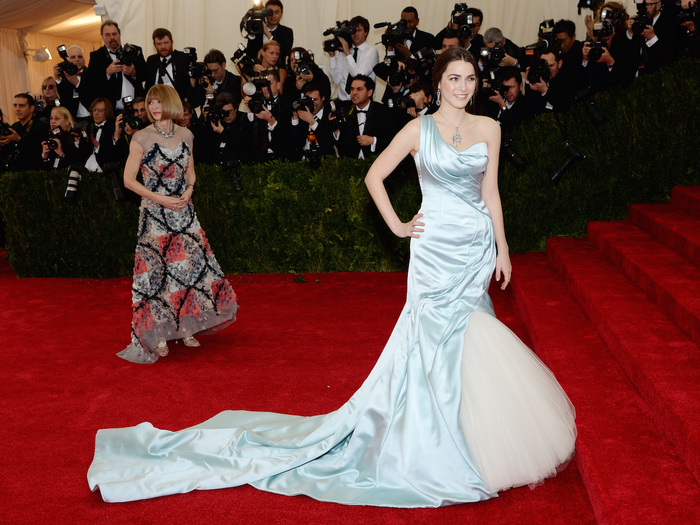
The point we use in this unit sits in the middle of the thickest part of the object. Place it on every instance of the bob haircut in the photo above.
(448, 56)
(65, 114)
(170, 103)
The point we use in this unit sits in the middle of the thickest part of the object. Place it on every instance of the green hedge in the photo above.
(290, 218)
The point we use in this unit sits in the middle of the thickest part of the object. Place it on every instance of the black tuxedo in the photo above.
(32, 134)
(99, 86)
(323, 133)
(558, 98)
(72, 96)
(665, 50)
(282, 34)
(378, 124)
(422, 40)
(234, 142)
(180, 80)
(231, 84)
(277, 140)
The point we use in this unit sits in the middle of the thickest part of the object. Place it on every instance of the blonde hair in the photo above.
(43, 83)
(170, 103)
(267, 45)
(66, 114)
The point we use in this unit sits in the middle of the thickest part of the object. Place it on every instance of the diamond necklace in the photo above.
(456, 138)
(166, 134)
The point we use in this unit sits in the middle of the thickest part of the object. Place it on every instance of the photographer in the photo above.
(370, 128)
(690, 44)
(360, 60)
(549, 89)
(418, 39)
(21, 149)
(658, 42)
(399, 75)
(472, 41)
(609, 65)
(226, 138)
(507, 54)
(115, 72)
(271, 125)
(61, 149)
(71, 88)
(218, 81)
(125, 126)
(269, 57)
(316, 121)
(49, 97)
(415, 104)
(302, 70)
(571, 50)
(168, 66)
(509, 103)
(272, 30)
(99, 146)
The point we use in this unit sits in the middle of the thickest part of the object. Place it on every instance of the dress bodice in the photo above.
(165, 161)
(442, 169)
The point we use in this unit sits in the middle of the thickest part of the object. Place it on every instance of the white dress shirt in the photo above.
(343, 65)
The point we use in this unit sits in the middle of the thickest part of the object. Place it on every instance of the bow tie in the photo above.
(361, 110)
(164, 61)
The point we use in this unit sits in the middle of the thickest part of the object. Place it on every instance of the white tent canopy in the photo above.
(206, 24)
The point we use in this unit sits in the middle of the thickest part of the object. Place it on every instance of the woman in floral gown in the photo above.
(179, 289)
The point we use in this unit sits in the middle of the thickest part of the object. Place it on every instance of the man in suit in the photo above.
(226, 139)
(418, 39)
(316, 121)
(273, 30)
(658, 43)
(218, 81)
(494, 37)
(22, 148)
(370, 127)
(71, 88)
(357, 58)
(557, 94)
(473, 42)
(108, 77)
(168, 66)
(509, 105)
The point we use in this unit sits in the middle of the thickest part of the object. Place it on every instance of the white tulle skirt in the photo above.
(517, 420)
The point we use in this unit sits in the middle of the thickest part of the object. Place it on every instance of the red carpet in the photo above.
(612, 316)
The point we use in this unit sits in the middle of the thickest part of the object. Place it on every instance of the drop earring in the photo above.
(437, 98)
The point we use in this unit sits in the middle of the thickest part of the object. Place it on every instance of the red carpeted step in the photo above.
(655, 355)
(631, 471)
(687, 198)
(668, 279)
(670, 225)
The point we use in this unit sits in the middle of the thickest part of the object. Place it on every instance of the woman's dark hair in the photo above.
(448, 56)
(109, 109)
(288, 61)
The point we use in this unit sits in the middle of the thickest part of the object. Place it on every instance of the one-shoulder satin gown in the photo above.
(456, 409)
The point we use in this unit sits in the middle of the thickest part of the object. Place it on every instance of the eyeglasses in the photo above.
(50, 86)
(98, 110)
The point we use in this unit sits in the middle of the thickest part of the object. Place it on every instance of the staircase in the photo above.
(616, 316)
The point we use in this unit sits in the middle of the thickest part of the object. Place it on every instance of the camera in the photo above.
(495, 81)
(548, 40)
(398, 77)
(588, 4)
(129, 116)
(74, 176)
(426, 61)
(539, 70)
(67, 67)
(313, 152)
(304, 60)
(254, 19)
(601, 29)
(642, 18)
(196, 70)
(215, 113)
(509, 153)
(491, 56)
(111, 171)
(342, 30)
(572, 154)
(247, 63)
(56, 136)
(401, 102)
(597, 49)
(5, 129)
(128, 54)
(254, 89)
(303, 104)
(464, 20)
(690, 14)
(339, 113)
(397, 34)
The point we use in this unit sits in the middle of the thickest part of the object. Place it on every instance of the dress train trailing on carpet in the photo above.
(456, 409)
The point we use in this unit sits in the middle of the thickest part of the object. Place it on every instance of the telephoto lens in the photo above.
(73, 180)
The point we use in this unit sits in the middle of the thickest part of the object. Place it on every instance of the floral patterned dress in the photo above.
(179, 289)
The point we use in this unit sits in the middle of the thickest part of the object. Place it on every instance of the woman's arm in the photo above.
(131, 169)
(489, 192)
(405, 142)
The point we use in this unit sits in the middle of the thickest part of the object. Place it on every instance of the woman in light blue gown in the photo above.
(456, 408)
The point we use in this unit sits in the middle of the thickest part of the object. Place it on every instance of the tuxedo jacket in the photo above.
(280, 143)
(234, 142)
(72, 96)
(665, 50)
(423, 40)
(181, 79)
(323, 133)
(99, 86)
(379, 123)
(282, 34)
